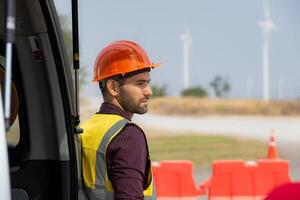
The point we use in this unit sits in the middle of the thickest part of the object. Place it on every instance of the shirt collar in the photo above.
(107, 108)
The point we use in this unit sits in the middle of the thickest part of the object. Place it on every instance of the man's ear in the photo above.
(112, 87)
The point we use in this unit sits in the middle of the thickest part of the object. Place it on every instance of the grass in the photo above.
(205, 106)
(202, 150)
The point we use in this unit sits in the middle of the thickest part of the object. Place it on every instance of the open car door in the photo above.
(42, 160)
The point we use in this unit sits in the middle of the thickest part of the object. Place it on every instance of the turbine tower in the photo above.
(267, 26)
(187, 42)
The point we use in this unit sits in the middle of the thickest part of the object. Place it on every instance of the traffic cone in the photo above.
(272, 151)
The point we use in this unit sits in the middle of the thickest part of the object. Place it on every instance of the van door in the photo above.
(41, 145)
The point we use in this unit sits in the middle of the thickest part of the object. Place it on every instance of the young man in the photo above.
(115, 159)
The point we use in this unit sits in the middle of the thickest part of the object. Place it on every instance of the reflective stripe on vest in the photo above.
(99, 131)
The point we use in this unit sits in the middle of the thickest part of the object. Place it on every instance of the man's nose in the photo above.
(148, 91)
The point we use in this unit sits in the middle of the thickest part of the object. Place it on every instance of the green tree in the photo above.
(158, 91)
(220, 86)
(197, 91)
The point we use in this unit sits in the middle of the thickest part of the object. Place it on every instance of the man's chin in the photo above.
(142, 110)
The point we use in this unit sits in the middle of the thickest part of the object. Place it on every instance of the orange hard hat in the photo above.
(120, 57)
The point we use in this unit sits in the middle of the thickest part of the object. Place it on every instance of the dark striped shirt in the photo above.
(126, 158)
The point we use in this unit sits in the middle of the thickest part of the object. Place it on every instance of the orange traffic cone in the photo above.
(272, 151)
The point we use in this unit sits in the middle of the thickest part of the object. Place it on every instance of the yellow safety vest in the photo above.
(99, 131)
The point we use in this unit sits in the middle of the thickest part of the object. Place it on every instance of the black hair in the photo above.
(120, 78)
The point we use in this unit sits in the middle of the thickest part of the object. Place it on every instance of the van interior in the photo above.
(42, 158)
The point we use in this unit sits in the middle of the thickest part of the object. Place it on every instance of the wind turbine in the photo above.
(267, 27)
(186, 38)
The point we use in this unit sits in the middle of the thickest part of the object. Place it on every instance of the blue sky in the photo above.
(227, 41)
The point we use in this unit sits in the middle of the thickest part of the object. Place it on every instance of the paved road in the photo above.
(286, 129)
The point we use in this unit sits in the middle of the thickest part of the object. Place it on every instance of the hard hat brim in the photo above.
(153, 65)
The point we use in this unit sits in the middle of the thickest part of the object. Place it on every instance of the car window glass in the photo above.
(63, 9)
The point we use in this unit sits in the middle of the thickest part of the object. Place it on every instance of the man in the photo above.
(115, 159)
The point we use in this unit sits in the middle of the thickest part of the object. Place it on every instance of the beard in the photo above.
(131, 104)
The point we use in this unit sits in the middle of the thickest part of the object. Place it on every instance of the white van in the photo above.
(40, 163)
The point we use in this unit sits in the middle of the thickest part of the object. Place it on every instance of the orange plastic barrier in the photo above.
(289, 191)
(239, 180)
(174, 180)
